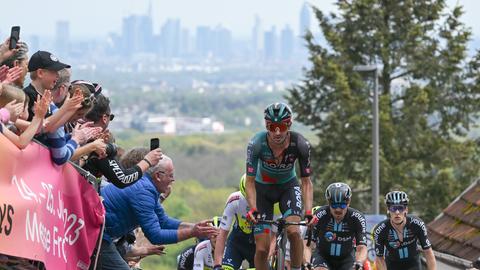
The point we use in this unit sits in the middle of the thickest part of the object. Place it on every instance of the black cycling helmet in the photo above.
(278, 112)
(396, 197)
(338, 193)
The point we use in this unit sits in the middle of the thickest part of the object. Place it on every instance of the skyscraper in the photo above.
(203, 43)
(270, 45)
(170, 38)
(62, 37)
(286, 43)
(137, 33)
(256, 39)
(304, 19)
(222, 42)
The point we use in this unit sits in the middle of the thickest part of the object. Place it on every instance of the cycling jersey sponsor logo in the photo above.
(330, 236)
(271, 164)
(298, 196)
(394, 244)
(421, 224)
(361, 219)
(378, 230)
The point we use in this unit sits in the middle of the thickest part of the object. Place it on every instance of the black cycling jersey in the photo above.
(387, 242)
(334, 239)
(185, 258)
(113, 171)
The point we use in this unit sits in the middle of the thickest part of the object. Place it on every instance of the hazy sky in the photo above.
(94, 18)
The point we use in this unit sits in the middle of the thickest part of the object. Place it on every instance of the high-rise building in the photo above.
(304, 19)
(170, 39)
(62, 38)
(203, 41)
(270, 44)
(137, 33)
(222, 42)
(256, 39)
(286, 43)
(185, 45)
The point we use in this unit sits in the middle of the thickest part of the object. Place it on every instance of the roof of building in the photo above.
(456, 230)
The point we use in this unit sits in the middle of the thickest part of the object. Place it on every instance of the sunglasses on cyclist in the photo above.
(110, 116)
(282, 127)
(394, 208)
(338, 205)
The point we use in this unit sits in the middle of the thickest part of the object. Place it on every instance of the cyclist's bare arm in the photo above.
(380, 263)
(430, 257)
(220, 247)
(361, 253)
(251, 192)
(307, 192)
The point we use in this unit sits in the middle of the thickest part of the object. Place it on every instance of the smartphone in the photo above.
(14, 37)
(154, 143)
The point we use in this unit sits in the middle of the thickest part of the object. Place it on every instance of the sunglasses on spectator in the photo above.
(88, 100)
(273, 127)
(94, 88)
(394, 208)
(110, 116)
(338, 205)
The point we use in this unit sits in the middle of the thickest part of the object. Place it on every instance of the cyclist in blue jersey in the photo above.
(337, 227)
(271, 178)
(396, 237)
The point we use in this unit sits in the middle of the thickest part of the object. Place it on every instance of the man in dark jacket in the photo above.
(138, 205)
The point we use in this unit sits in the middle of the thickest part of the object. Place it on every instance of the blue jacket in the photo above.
(137, 205)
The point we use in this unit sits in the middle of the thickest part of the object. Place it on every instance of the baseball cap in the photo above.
(45, 60)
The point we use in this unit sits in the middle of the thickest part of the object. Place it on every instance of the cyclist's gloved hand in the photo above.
(217, 267)
(311, 219)
(357, 265)
(253, 215)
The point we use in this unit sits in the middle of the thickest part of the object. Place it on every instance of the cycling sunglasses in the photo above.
(282, 127)
(394, 208)
(338, 205)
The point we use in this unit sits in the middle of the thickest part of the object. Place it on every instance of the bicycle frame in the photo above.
(278, 261)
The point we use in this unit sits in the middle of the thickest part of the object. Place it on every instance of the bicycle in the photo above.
(278, 260)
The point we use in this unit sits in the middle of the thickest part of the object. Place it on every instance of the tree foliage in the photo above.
(428, 99)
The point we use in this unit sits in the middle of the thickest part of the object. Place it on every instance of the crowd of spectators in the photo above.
(71, 118)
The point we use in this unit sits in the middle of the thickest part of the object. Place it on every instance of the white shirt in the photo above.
(203, 256)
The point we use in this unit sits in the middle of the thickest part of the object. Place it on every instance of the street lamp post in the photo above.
(375, 137)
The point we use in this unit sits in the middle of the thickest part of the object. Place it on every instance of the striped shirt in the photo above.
(59, 143)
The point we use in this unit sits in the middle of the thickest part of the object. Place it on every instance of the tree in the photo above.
(429, 97)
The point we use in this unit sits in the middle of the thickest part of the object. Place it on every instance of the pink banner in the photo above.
(48, 213)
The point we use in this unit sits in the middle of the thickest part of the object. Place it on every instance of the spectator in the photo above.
(138, 205)
(62, 145)
(18, 61)
(40, 108)
(107, 164)
(60, 90)
(13, 102)
(43, 67)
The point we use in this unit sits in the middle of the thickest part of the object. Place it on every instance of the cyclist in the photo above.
(271, 178)
(203, 255)
(396, 237)
(240, 243)
(337, 227)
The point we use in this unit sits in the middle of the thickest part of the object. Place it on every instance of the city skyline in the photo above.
(106, 16)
